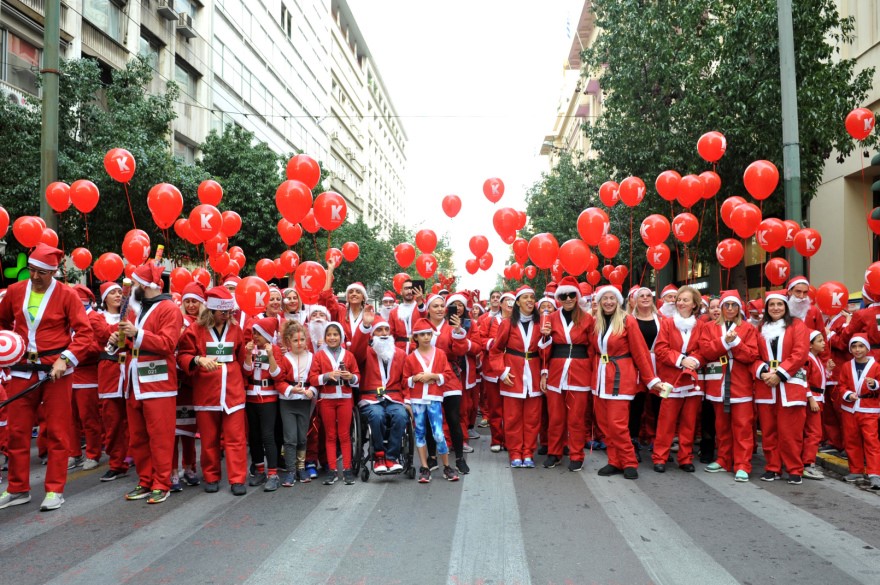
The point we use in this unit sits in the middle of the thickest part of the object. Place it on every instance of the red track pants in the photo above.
(214, 424)
(115, 431)
(613, 418)
(336, 418)
(151, 439)
(680, 413)
(733, 435)
(522, 421)
(862, 443)
(566, 423)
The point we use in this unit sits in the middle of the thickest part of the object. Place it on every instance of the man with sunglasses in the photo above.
(51, 318)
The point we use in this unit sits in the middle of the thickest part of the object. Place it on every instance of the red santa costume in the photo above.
(150, 383)
(816, 381)
(515, 352)
(781, 409)
(678, 338)
(489, 325)
(55, 327)
(193, 299)
(211, 356)
(729, 387)
(401, 320)
(861, 408)
(86, 417)
(565, 351)
(468, 367)
(621, 359)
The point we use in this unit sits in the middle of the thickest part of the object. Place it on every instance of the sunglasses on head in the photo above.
(567, 296)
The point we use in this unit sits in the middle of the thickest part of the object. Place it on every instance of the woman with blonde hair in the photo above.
(645, 406)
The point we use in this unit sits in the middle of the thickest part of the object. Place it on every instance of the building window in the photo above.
(186, 80)
(184, 151)
(105, 16)
(185, 7)
(286, 21)
(150, 50)
(21, 62)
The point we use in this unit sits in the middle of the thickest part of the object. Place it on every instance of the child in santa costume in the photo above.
(296, 401)
(860, 395)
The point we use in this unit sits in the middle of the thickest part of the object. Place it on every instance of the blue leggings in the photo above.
(433, 412)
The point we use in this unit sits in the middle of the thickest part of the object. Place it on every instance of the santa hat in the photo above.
(443, 292)
(319, 309)
(480, 308)
(267, 327)
(524, 290)
(220, 299)
(431, 297)
(550, 288)
(813, 334)
(284, 291)
(379, 322)
(608, 288)
(422, 326)
(148, 275)
(338, 325)
(460, 297)
(779, 295)
(633, 292)
(704, 300)
(732, 296)
(586, 289)
(358, 287)
(567, 285)
(106, 288)
(550, 300)
(84, 292)
(388, 295)
(796, 280)
(507, 295)
(231, 280)
(641, 288)
(669, 289)
(45, 257)
(860, 337)
(195, 291)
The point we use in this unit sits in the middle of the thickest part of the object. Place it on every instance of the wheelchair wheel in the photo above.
(407, 449)
(365, 474)
(357, 458)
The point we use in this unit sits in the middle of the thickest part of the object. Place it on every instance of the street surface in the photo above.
(497, 526)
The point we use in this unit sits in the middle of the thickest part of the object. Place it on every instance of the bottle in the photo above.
(545, 318)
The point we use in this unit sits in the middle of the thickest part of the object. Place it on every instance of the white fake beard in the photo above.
(384, 347)
(316, 333)
(755, 322)
(773, 329)
(799, 307)
(683, 324)
(134, 305)
(385, 312)
(668, 310)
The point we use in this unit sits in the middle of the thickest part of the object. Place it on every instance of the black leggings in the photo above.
(261, 433)
(641, 401)
(452, 415)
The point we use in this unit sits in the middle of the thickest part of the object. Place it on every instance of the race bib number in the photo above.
(186, 415)
(712, 371)
(801, 375)
(221, 351)
(155, 371)
(261, 361)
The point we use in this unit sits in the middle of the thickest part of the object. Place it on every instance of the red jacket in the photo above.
(456, 347)
(422, 392)
(867, 400)
(151, 361)
(565, 373)
(322, 364)
(292, 376)
(816, 380)
(739, 355)
(488, 330)
(670, 349)
(374, 376)
(401, 328)
(222, 389)
(624, 357)
(110, 371)
(865, 321)
(839, 352)
(510, 342)
(259, 379)
(86, 373)
(791, 357)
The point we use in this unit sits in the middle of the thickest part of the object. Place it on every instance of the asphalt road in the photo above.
(496, 526)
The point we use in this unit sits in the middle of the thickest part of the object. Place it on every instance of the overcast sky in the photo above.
(476, 84)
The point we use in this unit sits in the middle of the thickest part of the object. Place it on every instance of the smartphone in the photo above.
(451, 311)
(419, 284)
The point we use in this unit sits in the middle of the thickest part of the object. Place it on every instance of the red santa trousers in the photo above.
(862, 443)
(336, 417)
(115, 431)
(591, 420)
(680, 413)
(613, 419)
(55, 397)
(151, 439)
(214, 424)
(566, 423)
(832, 427)
(522, 421)
(734, 437)
(86, 416)
(812, 435)
(782, 437)
(494, 411)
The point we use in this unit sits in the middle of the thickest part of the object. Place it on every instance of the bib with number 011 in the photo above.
(223, 352)
(261, 360)
(154, 371)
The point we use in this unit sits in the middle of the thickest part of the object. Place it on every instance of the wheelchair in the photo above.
(363, 455)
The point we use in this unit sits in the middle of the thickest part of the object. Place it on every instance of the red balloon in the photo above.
(592, 262)
(293, 200)
(58, 196)
(334, 255)
(606, 270)
(593, 277)
(108, 266)
(478, 245)
(777, 270)
(873, 224)
(231, 223)
(303, 168)
(205, 221)
(791, 230)
(609, 246)
(179, 278)
(234, 266)
(165, 203)
(860, 123)
(398, 281)
(219, 263)
(129, 270)
(81, 257)
(543, 250)
(289, 261)
(556, 271)
(832, 297)
(472, 265)
(622, 270)
(745, 219)
(136, 233)
(685, 227)
(872, 278)
(404, 254)
(807, 242)
(530, 272)
(426, 265)
(523, 219)
(632, 191)
(120, 165)
(691, 190)
(202, 276)
(729, 252)
(210, 192)
(280, 271)
(617, 277)
(667, 184)
(330, 210)
(27, 230)
(516, 271)
(4, 222)
(252, 295)
(49, 237)
(451, 205)
(265, 269)
(290, 232)
(136, 250)
(712, 182)
(573, 256)
(521, 250)
(761, 178)
(727, 208)
(658, 256)
(592, 224)
(770, 234)
(216, 245)
(505, 221)
(486, 261)
(712, 146)
(309, 223)
(493, 189)
(41, 221)
(609, 193)
(426, 241)
(654, 229)
(84, 195)
(350, 251)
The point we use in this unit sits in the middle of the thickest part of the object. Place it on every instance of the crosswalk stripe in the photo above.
(667, 553)
(846, 552)
(312, 551)
(484, 551)
(866, 497)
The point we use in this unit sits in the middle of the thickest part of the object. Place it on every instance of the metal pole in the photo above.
(51, 75)
(791, 157)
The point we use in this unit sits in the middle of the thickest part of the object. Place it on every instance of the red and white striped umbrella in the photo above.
(12, 348)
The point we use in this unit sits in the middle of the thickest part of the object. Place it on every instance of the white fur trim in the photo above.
(609, 289)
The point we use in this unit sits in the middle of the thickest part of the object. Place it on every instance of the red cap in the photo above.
(148, 275)
(84, 293)
(669, 288)
(106, 288)
(568, 284)
(389, 295)
(267, 327)
(796, 280)
(220, 299)
(194, 290)
(231, 280)
(45, 257)
(379, 322)
(422, 326)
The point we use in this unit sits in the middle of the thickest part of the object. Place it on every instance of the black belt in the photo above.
(613, 359)
(725, 397)
(525, 355)
(28, 367)
(33, 356)
(106, 357)
(402, 339)
(569, 351)
(261, 383)
(380, 392)
(816, 390)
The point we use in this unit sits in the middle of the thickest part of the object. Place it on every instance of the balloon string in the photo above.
(687, 272)
(629, 274)
(61, 236)
(702, 217)
(130, 210)
(717, 241)
(86, 221)
(761, 278)
(867, 217)
(315, 242)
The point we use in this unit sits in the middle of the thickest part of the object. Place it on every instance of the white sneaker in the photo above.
(495, 448)
(813, 472)
(473, 434)
(52, 501)
(7, 499)
(467, 448)
(90, 464)
(74, 462)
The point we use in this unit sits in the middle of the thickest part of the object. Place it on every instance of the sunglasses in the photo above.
(567, 296)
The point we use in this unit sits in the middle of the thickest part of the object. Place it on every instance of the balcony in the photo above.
(36, 9)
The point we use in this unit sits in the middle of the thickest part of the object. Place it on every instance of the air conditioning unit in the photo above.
(12, 95)
(166, 9)
(185, 25)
